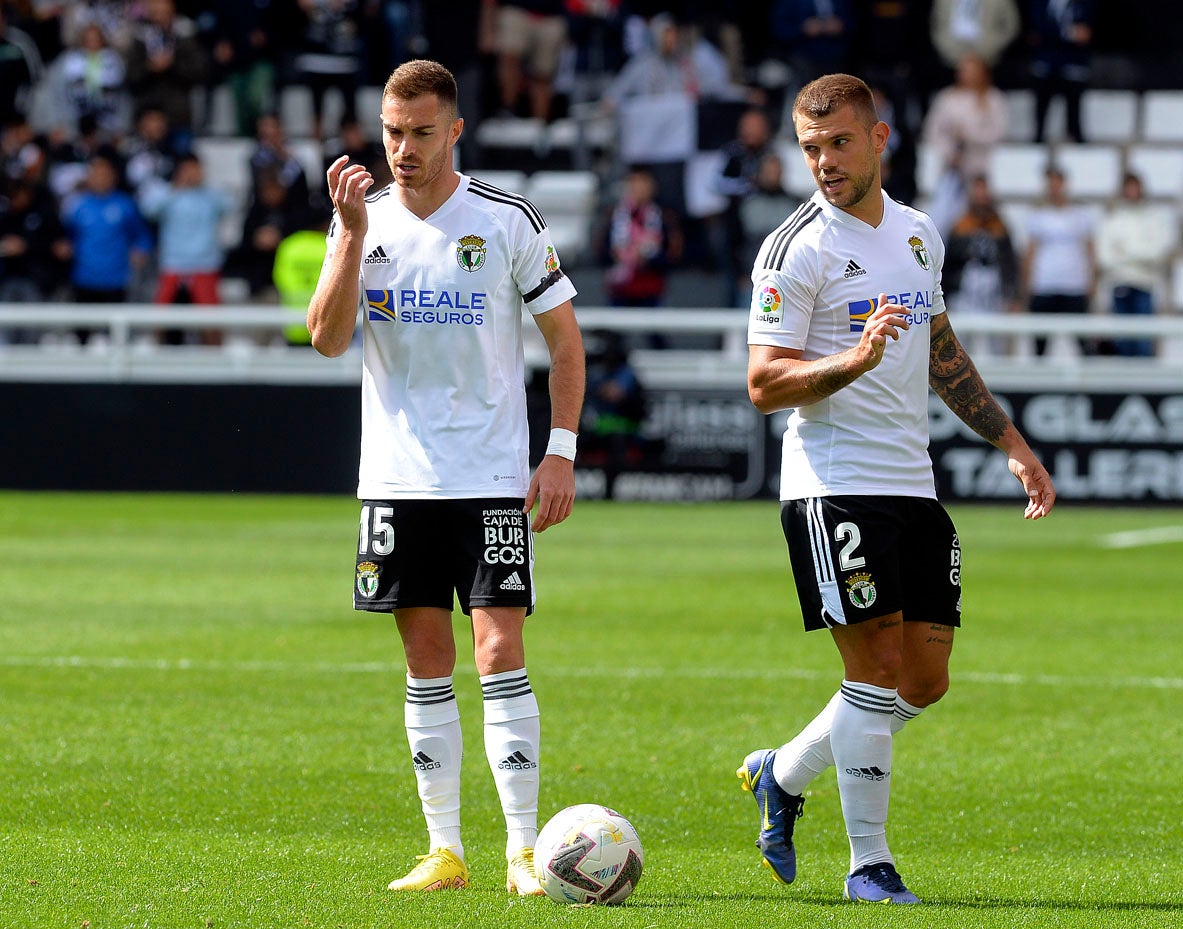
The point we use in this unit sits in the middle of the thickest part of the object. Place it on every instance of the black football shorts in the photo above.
(418, 553)
(856, 558)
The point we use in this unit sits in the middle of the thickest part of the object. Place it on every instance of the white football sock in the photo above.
(433, 731)
(861, 739)
(512, 738)
(809, 754)
(903, 714)
(797, 763)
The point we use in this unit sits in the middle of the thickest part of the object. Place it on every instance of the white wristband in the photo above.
(562, 443)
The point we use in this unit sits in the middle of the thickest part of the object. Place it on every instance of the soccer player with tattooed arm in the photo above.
(847, 331)
(441, 266)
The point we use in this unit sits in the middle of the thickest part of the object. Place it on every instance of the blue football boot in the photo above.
(779, 812)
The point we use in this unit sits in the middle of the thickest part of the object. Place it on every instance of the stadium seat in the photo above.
(511, 133)
(513, 181)
(368, 101)
(797, 179)
(1109, 115)
(311, 156)
(295, 111)
(226, 161)
(1161, 170)
(570, 192)
(1092, 171)
(1020, 115)
(1162, 116)
(702, 197)
(1014, 214)
(1017, 171)
(928, 169)
(568, 201)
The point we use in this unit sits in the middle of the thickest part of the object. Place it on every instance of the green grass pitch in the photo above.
(196, 730)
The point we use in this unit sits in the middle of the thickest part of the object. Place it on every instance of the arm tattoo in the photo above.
(822, 380)
(956, 381)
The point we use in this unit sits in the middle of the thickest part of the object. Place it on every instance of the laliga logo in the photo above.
(769, 299)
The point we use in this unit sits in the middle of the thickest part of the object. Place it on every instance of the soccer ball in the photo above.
(588, 853)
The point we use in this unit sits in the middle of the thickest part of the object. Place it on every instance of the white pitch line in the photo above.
(385, 667)
(1136, 538)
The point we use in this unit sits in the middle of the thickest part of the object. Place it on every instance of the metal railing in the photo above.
(124, 345)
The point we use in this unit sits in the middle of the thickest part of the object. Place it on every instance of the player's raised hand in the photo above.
(348, 184)
(883, 324)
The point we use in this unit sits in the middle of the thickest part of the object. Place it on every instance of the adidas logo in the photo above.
(852, 269)
(871, 774)
(513, 582)
(424, 762)
(377, 257)
(517, 762)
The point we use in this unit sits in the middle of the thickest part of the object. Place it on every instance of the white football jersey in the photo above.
(816, 280)
(443, 371)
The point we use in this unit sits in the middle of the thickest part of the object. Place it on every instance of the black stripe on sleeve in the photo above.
(497, 195)
(804, 215)
(544, 285)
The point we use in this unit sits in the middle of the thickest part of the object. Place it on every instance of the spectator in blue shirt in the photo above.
(109, 236)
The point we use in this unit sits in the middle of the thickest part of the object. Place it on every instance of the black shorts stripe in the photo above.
(497, 195)
(823, 559)
(802, 217)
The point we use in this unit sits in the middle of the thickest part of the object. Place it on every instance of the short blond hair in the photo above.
(420, 77)
(831, 92)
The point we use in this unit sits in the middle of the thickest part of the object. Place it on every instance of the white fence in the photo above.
(124, 346)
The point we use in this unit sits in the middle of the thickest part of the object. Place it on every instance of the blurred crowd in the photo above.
(104, 195)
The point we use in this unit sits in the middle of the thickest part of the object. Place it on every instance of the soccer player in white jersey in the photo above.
(440, 266)
(847, 330)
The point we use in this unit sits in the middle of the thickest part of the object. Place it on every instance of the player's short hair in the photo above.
(829, 93)
(419, 77)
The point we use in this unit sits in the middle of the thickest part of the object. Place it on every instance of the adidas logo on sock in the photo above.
(513, 582)
(871, 774)
(377, 257)
(424, 762)
(517, 762)
(852, 269)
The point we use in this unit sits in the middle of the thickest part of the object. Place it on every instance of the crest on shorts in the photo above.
(367, 579)
(920, 253)
(470, 252)
(860, 590)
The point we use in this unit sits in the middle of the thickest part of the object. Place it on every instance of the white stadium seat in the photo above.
(1162, 116)
(570, 192)
(1015, 214)
(1092, 171)
(513, 181)
(1020, 115)
(797, 179)
(1109, 115)
(1161, 170)
(227, 165)
(1017, 171)
(702, 195)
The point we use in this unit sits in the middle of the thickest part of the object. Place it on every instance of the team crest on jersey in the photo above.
(470, 252)
(860, 590)
(367, 579)
(552, 260)
(920, 253)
